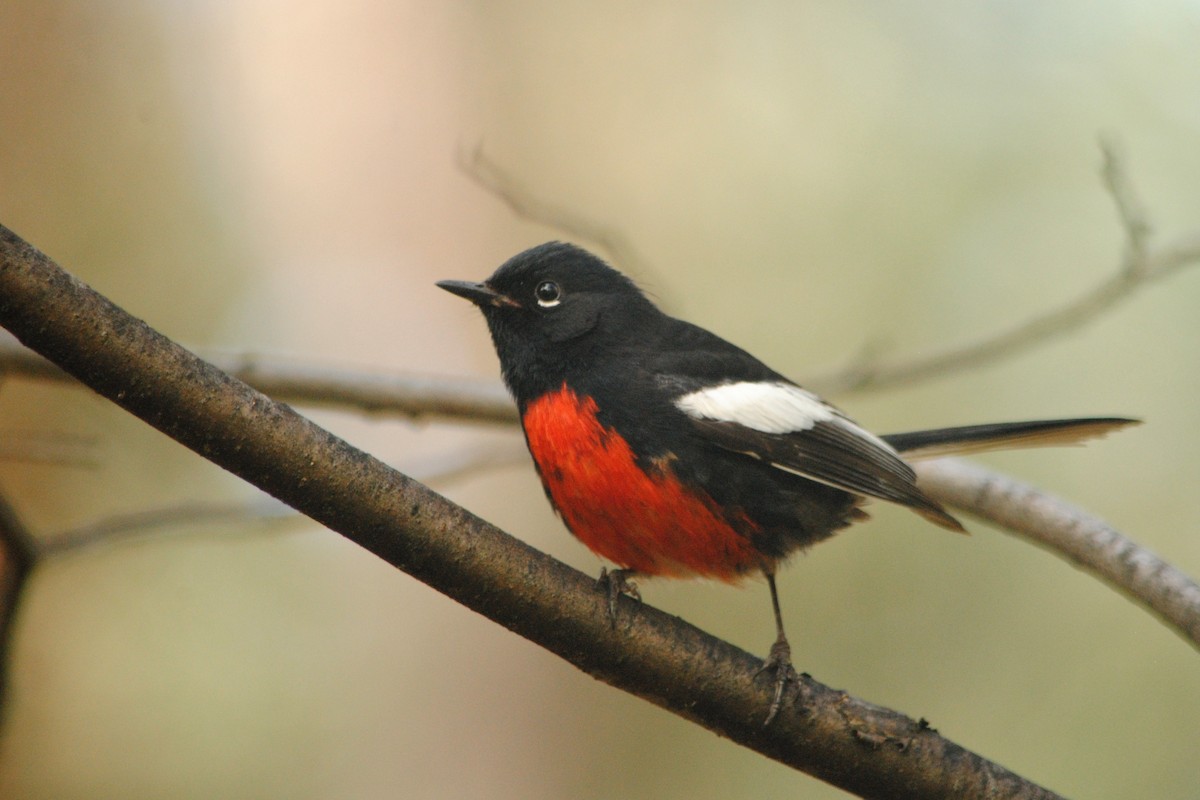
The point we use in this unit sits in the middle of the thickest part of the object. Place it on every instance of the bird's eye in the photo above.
(548, 294)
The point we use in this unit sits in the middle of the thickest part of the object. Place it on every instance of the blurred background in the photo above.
(811, 180)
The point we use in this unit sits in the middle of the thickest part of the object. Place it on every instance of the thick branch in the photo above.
(860, 747)
(1073, 534)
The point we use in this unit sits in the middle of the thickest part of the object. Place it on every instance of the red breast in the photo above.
(642, 520)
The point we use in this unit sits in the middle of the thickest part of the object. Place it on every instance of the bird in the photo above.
(670, 452)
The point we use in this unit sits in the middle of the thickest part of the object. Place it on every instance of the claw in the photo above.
(617, 583)
(779, 661)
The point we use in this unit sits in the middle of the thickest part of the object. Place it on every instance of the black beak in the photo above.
(478, 293)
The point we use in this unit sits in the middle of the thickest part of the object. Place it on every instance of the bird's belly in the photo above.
(648, 521)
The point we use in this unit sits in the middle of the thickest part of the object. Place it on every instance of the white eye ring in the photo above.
(548, 294)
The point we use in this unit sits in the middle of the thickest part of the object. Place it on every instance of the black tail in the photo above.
(1002, 435)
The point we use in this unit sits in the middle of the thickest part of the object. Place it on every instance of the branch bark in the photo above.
(852, 744)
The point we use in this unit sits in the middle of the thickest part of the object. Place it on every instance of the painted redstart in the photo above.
(669, 451)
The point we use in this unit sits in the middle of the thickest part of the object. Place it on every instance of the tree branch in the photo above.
(464, 399)
(413, 396)
(18, 555)
(459, 399)
(112, 529)
(488, 174)
(59, 449)
(1072, 534)
(1139, 266)
(454, 399)
(852, 744)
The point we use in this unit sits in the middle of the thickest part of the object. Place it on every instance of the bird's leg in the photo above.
(617, 583)
(779, 660)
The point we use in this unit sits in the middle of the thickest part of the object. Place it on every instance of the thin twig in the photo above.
(457, 398)
(1139, 266)
(1072, 534)
(416, 396)
(448, 399)
(405, 395)
(526, 205)
(1131, 212)
(849, 743)
(119, 527)
(57, 449)
(18, 555)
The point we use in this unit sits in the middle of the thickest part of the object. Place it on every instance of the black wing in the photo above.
(793, 430)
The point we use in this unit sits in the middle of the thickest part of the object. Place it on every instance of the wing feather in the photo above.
(793, 430)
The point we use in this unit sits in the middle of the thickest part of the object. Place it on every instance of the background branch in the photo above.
(1071, 533)
(18, 555)
(852, 744)
(1165, 591)
(149, 522)
(42, 447)
(405, 395)
(1139, 266)
(424, 396)
(112, 529)
(489, 175)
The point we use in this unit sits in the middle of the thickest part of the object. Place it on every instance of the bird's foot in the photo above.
(779, 662)
(617, 583)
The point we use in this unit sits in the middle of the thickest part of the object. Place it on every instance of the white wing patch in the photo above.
(768, 407)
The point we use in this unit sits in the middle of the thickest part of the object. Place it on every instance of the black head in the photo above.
(549, 310)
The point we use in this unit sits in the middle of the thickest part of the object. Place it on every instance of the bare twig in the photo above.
(152, 522)
(1072, 534)
(1165, 591)
(855, 745)
(476, 400)
(58, 449)
(526, 205)
(458, 398)
(1130, 210)
(455, 399)
(18, 555)
(413, 396)
(1139, 266)
(113, 529)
